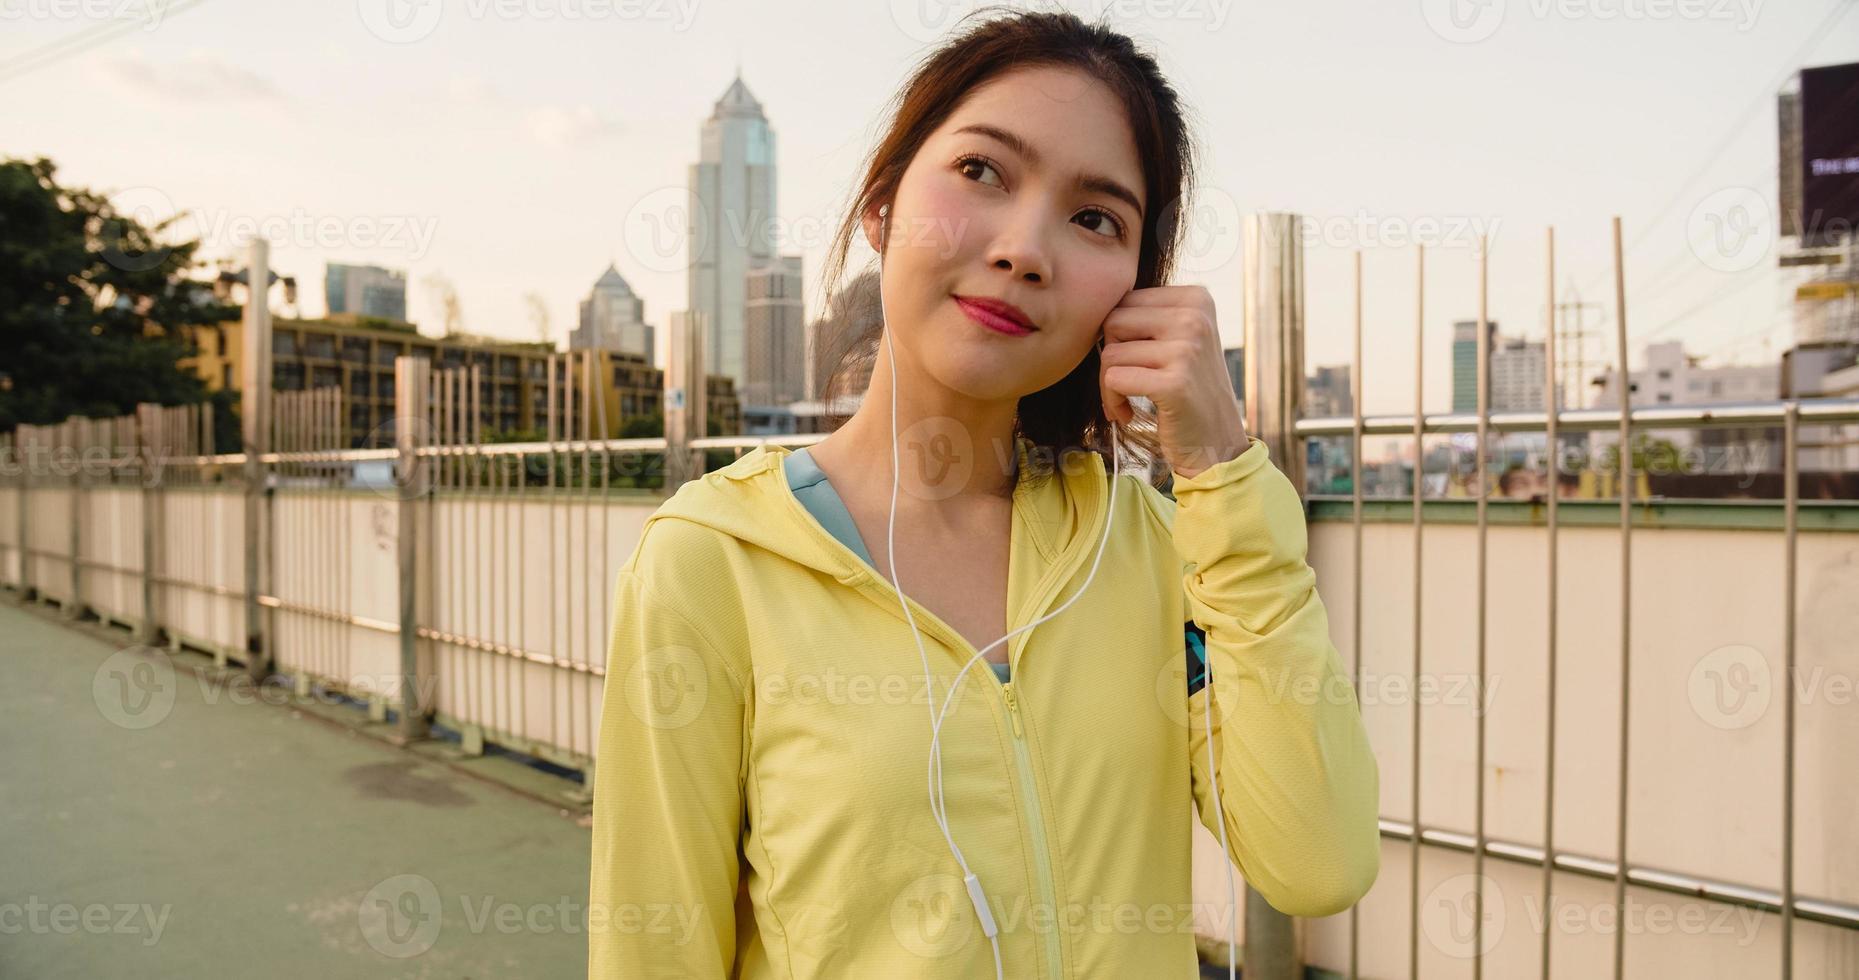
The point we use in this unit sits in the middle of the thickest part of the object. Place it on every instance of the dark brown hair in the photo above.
(1069, 413)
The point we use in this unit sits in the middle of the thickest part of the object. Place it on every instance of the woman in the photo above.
(800, 776)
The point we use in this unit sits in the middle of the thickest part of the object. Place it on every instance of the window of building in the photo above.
(284, 343)
(320, 345)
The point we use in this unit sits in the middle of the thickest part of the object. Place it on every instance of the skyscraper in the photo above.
(365, 290)
(1465, 362)
(1518, 367)
(1517, 370)
(732, 214)
(613, 318)
(775, 335)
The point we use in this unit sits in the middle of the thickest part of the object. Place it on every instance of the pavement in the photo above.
(158, 820)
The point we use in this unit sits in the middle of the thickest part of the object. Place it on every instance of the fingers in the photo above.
(1139, 322)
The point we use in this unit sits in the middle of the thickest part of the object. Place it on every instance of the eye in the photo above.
(970, 162)
(1116, 225)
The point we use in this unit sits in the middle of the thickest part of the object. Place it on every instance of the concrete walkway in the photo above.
(154, 824)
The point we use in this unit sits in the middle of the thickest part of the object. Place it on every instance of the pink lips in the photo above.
(995, 315)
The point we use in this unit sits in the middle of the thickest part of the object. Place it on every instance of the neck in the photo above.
(950, 447)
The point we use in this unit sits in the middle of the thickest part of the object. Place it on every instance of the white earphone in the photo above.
(937, 806)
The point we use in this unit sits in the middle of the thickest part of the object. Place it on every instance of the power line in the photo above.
(1789, 67)
(81, 41)
(1722, 294)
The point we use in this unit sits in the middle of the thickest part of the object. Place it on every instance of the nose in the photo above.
(1020, 248)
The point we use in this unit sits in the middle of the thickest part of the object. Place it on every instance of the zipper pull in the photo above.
(1013, 709)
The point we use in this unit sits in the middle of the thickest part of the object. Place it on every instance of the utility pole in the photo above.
(1572, 345)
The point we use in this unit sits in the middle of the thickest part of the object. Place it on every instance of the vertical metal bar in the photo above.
(470, 544)
(481, 672)
(1274, 318)
(1626, 596)
(460, 657)
(25, 447)
(1355, 495)
(255, 405)
(606, 575)
(411, 376)
(1483, 443)
(552, 536)
(587, 543)
(521, 621)
(1420, 465)
(1791, 499)
(148, 419)
(76, 438)
(500, 594)
(1554, 405)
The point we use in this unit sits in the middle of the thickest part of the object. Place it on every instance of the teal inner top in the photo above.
(812, 489)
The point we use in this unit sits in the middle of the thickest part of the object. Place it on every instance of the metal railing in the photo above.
(444, 578)
(1275, 316)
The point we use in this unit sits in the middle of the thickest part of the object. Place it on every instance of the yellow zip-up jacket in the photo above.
(761, 808)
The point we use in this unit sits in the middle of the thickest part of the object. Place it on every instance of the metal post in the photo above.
(76, 433)
(25, 456)
(411, 376)
(686, 399)
(1275, 336)
(254, 411)
(154, 447)
(1274, 391)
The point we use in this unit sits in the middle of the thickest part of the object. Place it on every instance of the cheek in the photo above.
(941, 221)
(1098, 283)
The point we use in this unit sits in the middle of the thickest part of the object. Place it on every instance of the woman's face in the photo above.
(1030, 193)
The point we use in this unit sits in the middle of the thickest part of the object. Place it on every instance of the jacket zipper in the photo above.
(1042, 859)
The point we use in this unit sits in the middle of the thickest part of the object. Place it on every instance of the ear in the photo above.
(873, 221)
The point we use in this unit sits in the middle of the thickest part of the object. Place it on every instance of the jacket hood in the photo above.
(749, 500)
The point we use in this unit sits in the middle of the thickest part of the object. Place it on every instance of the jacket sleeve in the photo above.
(1298, 782)
(667, 795)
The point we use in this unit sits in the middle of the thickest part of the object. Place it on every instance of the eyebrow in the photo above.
(1095, 183)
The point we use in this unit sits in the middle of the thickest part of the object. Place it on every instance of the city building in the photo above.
(613, 319)
(1826, 310)
(1516, 369)
(513, 393)
(732, 224)
(775, 337)
(1465, 362)
(1236, 371)
(365, 291)
(1327, 393)
(1672, 377)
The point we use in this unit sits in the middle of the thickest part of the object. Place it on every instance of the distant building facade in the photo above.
(613, 319)
(775, 335)
(365, 290)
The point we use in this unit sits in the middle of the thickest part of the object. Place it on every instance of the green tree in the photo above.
(93, 304)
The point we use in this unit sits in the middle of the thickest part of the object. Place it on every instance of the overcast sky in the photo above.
(513, 147)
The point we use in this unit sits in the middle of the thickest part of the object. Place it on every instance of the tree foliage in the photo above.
(93, 305)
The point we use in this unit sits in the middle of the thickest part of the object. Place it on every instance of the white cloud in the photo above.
(563, 127)
(200, 75)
